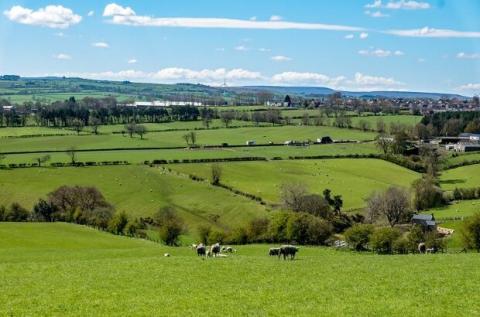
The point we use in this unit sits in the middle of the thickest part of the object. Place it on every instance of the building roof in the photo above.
(423, 217)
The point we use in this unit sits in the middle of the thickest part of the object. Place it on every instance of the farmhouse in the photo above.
(427, 222)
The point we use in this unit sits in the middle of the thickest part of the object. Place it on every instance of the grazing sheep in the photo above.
(208, 254)
(231, 250)
(201, 250)
(167, 255)
(422, 248)
(273, 251)
(194, 246)
(215, 249)
(288, 250)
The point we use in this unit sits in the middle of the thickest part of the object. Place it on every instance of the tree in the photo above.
(16, 213)
(383, 239)
(393, 204)
(305, 119)
(471, 232)
(315, 205)
(94, 124)
(118, 223)
(131, 128)
(291, 195)
(364, 125)
(358, 236)
(216, 174)
(227, 117)
(304, 228)
(72, 153)
(381, 126)
(77, 125)
(42, 159)
(288, 101)
(193, 137)
(427, 194)
(186, 137)
(206, 120)
(141, 130)
(384, 143)
(171, 226)
(44, 211)
(204, 233)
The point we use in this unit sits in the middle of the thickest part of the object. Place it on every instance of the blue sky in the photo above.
(424, 45)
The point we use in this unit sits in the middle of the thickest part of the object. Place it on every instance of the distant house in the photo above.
(427, 222)
(472, 136)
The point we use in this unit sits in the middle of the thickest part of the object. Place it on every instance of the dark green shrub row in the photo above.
(212, 160)
(466, 193)
(464, 163)
(239, 192)
(81, 164)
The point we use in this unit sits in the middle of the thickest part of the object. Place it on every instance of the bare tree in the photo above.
(394, 204)
(216, 174)
(141, 130)
(94, 124)
(193, 137)
(227, 117)
(77, 125)
(186, 137)
(291, 195)
(131, 128)
(384, 143)
(42, 159)
(72, 153)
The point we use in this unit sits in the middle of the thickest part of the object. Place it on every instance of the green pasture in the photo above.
(67, 270)
(139, 156)
(234, 136)
(465, 176)
(354, 179)
(138, 190)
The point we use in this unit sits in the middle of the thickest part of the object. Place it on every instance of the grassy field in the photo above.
(60, 269)
(25, 131)
(139, 156)
(354, 179)
(466, 176)
(138, 190)
(467, 157)
(174, 138)
(460, 209)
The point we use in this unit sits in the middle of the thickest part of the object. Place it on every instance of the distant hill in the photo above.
(20, 89)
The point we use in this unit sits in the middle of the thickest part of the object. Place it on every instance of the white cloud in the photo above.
(434, 33)
(367, 82)
(63, 56)
(114, 9)
(310, 79)
(407, 5)
(51, 16)
(469, 87)
(380, 53)
(363, 35)
(91, 13)
(254, 18)
(399, 5)
(220, 49)
(376, 14)
(100, 45)
(127, 16)
(176, 75)
(132, 61)
(264, 49)
(60, 34)
(349, 36)
(281, 58)
(276, 18)
(463, 55)
(241, 48)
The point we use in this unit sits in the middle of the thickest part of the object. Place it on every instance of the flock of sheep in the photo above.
(216, 250)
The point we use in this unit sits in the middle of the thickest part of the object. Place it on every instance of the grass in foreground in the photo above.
(62, 269)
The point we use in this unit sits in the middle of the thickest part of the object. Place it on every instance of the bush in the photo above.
(3, 212)
(401, 245)
(471, 232)
(170, 224)
(216, 236)
(382, 240)
(257, 229)
(203, 233)
(415, 237)
(118, 223)
(17, 213)
(304, 228)
(277, 229)
(358, 236)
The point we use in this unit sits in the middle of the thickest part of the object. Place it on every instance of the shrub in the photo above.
(304, 228)
(216, 236)
(257, 229)
(17, 213)
(170, 224)
(238, 236)
(358, 236)
(277, 229)
(2, 213)
(382, 240)
(415, 237)
(471, 232)
(203, 233)
(118, 223)
(401, 245)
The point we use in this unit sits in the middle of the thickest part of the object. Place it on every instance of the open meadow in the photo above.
(69, 270)
(354, 179)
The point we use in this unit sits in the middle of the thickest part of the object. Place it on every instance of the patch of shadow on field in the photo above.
(453, 181)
